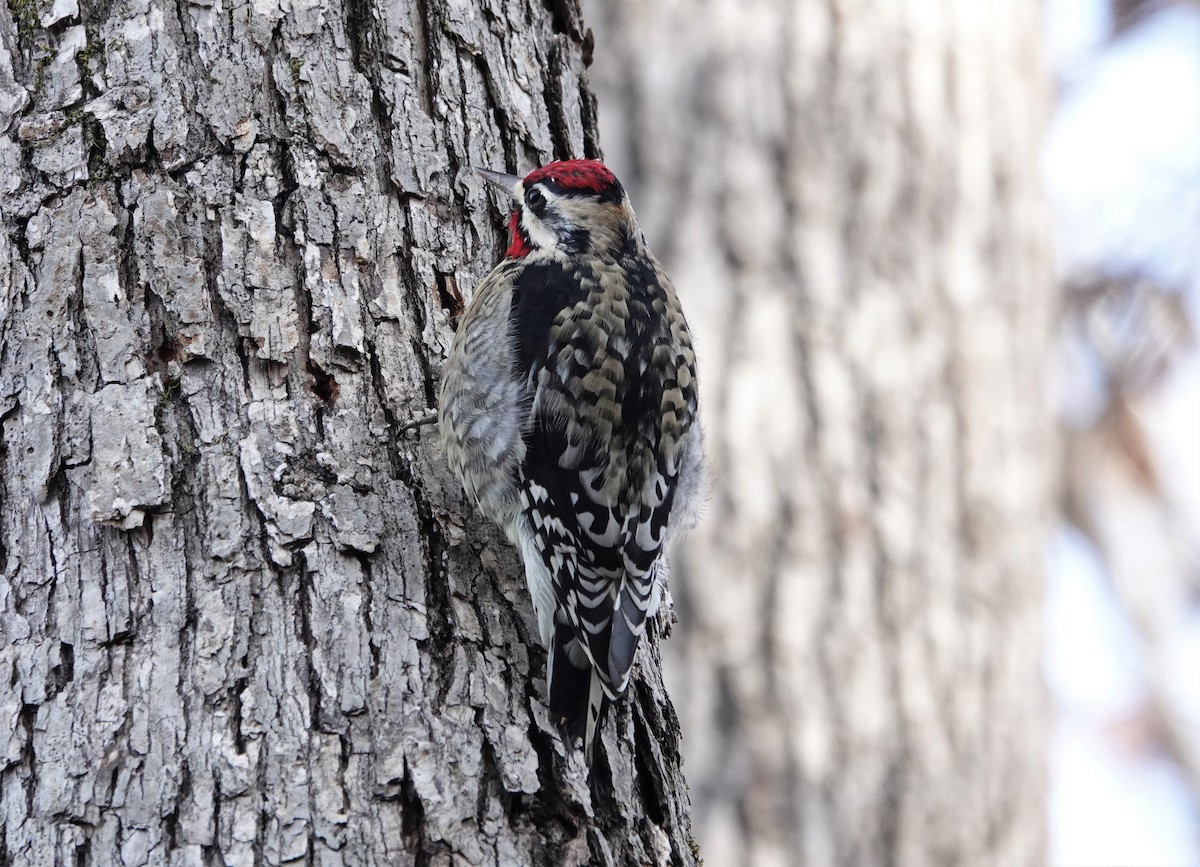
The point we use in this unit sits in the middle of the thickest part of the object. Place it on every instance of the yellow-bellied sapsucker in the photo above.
(568, 411)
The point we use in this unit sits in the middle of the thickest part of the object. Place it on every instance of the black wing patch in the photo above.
(540, 291)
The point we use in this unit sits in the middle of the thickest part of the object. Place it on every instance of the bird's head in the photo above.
(568, 208)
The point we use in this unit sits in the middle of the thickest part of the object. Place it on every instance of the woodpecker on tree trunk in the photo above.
(568, 410)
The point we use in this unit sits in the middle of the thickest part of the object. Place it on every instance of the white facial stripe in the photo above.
(539, 236)
(567, 212)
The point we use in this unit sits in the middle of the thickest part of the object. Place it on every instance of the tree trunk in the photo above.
(846, 195)
(246, 615)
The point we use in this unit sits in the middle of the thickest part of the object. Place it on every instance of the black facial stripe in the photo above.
(613, 193)
(575, 241)
(571, 239)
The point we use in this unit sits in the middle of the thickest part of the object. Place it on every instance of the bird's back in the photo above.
(613, 403)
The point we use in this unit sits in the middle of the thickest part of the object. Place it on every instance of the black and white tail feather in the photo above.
(604, 562)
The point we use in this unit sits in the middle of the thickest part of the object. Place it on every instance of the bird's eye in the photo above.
(535, 199)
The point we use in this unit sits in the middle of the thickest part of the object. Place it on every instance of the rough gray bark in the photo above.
(246, 616)
(846, 195)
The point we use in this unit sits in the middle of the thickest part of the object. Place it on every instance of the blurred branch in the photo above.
(1117, 490)
(1136, 327)
(1127, 14)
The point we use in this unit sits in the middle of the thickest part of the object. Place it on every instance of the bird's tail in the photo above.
(577, 699)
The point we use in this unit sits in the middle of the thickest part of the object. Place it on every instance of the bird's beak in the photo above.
(508, 183)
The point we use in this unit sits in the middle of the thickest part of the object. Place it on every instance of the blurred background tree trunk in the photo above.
(847, 196)
(246, 616)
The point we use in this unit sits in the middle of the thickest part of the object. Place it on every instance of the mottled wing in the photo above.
(483, 407)
(613, 400)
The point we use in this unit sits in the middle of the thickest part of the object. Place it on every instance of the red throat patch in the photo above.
(518, 247)
(585, 175)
